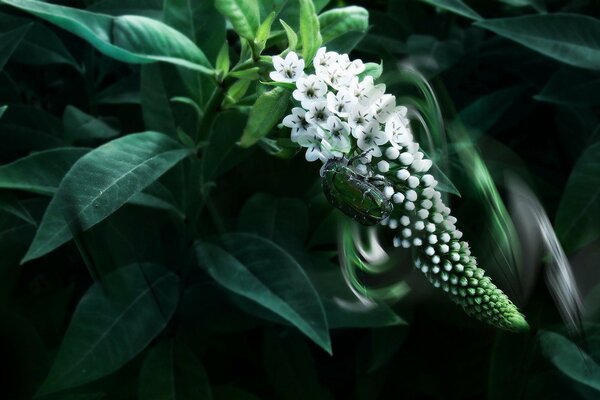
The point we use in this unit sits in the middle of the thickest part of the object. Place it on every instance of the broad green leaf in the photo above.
(113, 322)
(259, 270)
(80, 126)
(146, 8)
(223, 153)
(40, 46)
(100, 183)
(572, 87)
(265, 114)
(457, 7)
(338, 21)
(282, 220)
(156, 107)
(40, 172)
(484, 112)
(171, 371)
(198, 20)
(569, 38)
(127, 38)
(570, 359)
(10, 204)
(579, 209)
(244, 16)
(9, 42)
(309, 30)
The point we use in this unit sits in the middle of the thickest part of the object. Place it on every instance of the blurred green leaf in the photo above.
(40, 172)
(231, 393)
(156, 107)
(243, 14)
(128, 38)
(265, 114)
(171, 371)
(310, 34)
(538, 5)
(124, 91)
(572, 87)
(570, 359)
(457, 7)
(10, 204)
(484, 112)
(569, 38)
(2, 109)
(9, 42)
(114, 321)
(100, 183)
(261, 271)
(80, 126)
(338, 21)
(579, 209)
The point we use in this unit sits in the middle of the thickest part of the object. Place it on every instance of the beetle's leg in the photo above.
(361, 155)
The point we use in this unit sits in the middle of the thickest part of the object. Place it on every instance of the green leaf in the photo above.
(457, 7)
(265, 114)
(570, 359)
(259, 270)
(155, 99)
(223, 63)
(10, 204)
(569, 38)
(127, 38)
(40, 46)
(338, 21)
(2, 109)
(372, 69)
(579, 209)
(244, 16)
(484, 112)
(80, 126)
(40, 172)
(171, 371)
(9, 42)
(292, 37)
(572, 87)
(538, 5)
(125, 91)
(309, 30)
(198, 20)
(113, 322)
(100, 183)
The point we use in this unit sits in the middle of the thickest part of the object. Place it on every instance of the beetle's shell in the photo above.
(354, 194)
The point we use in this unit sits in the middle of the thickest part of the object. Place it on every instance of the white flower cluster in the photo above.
(340, 111)
(344, 114)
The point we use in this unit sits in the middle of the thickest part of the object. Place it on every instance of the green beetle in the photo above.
(356, 195)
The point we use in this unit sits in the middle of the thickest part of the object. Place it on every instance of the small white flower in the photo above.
(383, 107)
(309, 89)
(316, 149)
(325, 58)
(361, 89)
(337, 135)
(341, 103)
(297, 121)
(318, 113)
(335, 76)
(355, 67)
(397, 131)
(359, 116)
(370, 138)
(287, 70)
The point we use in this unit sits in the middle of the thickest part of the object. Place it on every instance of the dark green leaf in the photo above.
(127, 38)
(80, 126)
(338, 21)
(457, 7)
(125, 91)
(569, 38)
(579, 209)
(262, 272)
(101, 182)
(309, 30)
(9, 42)
(243, 14)
(484, 112)
(171, 371)
(10, 204)
(40, 172)
(570, 359)
(266, 113)
(2, 109)
(572, 87)
(231, 393)
(113, 322)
